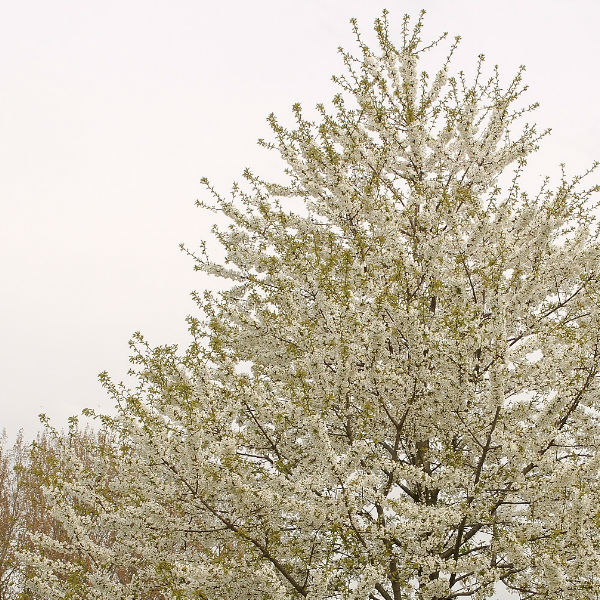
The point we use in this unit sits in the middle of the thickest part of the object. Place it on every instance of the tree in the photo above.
(12, 531)
(42, 465)
(24, 510)
(398, 395)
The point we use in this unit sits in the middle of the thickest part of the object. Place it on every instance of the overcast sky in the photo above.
(112, 111)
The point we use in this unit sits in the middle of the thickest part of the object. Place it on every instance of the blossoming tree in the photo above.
(397, 396)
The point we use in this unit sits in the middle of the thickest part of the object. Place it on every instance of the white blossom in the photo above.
(397, 398)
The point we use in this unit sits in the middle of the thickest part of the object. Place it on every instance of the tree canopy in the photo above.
(397, 395)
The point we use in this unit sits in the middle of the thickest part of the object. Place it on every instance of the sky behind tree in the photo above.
(111, 112)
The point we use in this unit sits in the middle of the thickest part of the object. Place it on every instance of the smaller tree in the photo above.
(12, 516)
(28, 514)
(48, 540)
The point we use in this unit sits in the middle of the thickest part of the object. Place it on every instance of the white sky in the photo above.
(111, 111)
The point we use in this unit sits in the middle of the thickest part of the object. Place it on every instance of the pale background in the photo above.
(111, 111)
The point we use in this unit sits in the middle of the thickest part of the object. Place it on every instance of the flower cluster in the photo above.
(416, 411)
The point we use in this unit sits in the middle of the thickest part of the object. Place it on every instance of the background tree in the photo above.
(26, 512)
(24, 469)
(12, 523)
(396, 398)
(42, 466)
